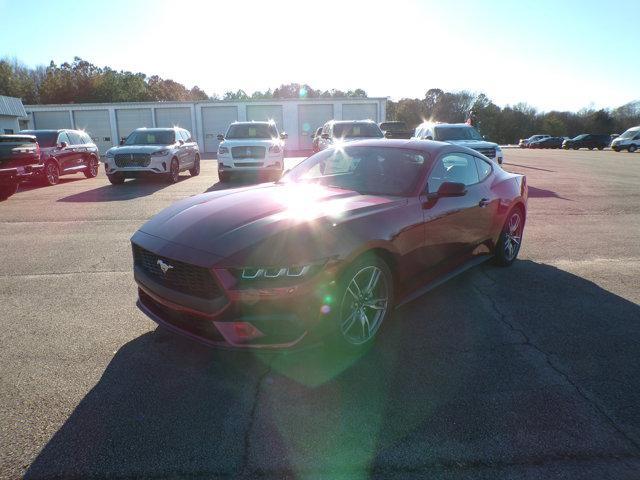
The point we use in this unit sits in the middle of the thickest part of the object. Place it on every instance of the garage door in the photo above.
(51, 120)
(216, 120)
(263, 113)
(360, 111)
(96, 124)
(174, 117)
(130, 119)
(310, 117)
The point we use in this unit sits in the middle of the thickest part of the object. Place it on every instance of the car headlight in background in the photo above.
(223, 150)
(160, 153)
(275, 149)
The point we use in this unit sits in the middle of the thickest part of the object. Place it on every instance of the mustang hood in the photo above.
(269, 221)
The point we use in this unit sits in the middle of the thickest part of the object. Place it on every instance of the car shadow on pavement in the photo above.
(535, 192)
(34, 185)
(130, 189)
(499, 368)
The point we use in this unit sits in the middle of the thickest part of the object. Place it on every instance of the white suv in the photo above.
(159, 151)
(251, 147)
(629, 140)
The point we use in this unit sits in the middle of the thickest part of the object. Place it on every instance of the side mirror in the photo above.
(325, 136)
(284, 135)
(452, 189)
(220, 137)
(122, 141)
(181, 142)
(63, 145)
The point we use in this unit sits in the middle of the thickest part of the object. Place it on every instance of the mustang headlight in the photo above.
(298, 271)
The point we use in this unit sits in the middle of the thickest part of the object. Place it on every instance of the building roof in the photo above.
(12, 106)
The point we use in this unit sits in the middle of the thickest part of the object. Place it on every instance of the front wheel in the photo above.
(510, 239)
(195, 170)
(174, 172)
(7, 190)
(364, 300)
(92, 168)
(115, 178)
(632, 148)
(51, 173)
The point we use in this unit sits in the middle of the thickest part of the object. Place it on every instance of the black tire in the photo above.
(500, 161)
(600, 148)
(92, 168)
(590, 148)
(632, 148)
(116, 178)
(51, 173)
(225, 177)
(174, 171)
(576, 148)
(195, 171)
(616, 149)
(347, 307)
(510, 240)
(7, 190)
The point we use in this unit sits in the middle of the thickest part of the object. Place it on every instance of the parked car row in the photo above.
(547, 142)
(44, 156)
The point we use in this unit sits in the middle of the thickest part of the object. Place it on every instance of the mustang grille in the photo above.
(182, 277)
(248, 152)
(487, 152)
(132, 159)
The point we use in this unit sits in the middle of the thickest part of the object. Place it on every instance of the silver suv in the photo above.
(153, 151)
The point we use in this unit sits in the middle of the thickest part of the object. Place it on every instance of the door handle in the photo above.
(484, 202)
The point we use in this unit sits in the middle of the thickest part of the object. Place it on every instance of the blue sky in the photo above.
(550, 54)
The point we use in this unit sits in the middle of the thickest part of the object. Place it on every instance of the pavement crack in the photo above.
(503, 317)
(252, 418)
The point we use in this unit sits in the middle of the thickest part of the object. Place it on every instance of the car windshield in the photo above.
(366, 170)
(151, 137)
(357, 130)
(580, 137)
(630, 133)
(444, 134)
(46, 138)
(252, 130)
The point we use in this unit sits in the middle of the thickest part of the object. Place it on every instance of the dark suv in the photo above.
(65, 152)
(19, 161)
(396, 130)
(587, 140)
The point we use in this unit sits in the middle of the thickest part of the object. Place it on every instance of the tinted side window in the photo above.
(484, 169)
(187, 136)
(62, 137)
(75, 138)
(453, 167)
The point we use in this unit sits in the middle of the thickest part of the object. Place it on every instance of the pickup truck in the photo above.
(19, 161)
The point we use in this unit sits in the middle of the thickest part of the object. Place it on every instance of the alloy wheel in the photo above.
(364, 305)
(52, 173)
(513, 236)
(175, 171)
(93, 167)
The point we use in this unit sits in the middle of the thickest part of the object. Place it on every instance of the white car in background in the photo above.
(629, 140)
(153, 151)
(251, 147)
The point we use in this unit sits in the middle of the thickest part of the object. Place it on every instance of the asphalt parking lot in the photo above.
(525, 372)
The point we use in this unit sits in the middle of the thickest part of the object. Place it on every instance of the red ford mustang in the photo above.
(330, 249)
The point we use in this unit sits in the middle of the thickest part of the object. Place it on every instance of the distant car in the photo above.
(459, 134)
(341, 131)
(316, 140)
(587, 140)
(153, 151)
(396, 130)
(525, 142)
(629, 140)
(65, 152)
(19, 161)
(251, 147)
(548, 142)
(328, 252)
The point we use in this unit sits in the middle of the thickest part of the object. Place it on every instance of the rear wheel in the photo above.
(116, 178)
(364, 299)
(195, 171)
(92, 168)
(510, 239)
(7, 190)
(51, 173)
(174, 172)
(632, 148)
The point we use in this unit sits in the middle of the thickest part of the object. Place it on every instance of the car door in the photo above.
(454, 226)
(65, 155)
(79, 149)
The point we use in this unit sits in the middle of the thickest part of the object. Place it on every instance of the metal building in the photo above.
(12, 112)
(107, 123)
